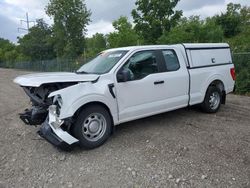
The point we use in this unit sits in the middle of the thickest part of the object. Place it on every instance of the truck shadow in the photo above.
(159, 120)
(146, 127)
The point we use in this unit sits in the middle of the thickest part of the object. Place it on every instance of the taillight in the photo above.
(232, 71)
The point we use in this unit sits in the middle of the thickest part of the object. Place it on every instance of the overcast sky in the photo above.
(103, 13)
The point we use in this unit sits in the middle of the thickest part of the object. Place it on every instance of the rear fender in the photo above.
(211, 80)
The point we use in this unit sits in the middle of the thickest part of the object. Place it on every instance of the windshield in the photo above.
(103, 63)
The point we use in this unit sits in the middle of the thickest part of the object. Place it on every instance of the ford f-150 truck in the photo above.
(125, 84)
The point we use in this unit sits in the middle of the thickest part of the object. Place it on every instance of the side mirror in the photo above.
(124, 75)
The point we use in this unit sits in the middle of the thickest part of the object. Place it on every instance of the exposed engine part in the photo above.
(34, 116)
(40, 102)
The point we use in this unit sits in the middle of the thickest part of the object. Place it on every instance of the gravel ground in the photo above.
(184, 148)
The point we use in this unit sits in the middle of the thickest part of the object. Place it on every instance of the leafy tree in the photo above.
(211, 32)
(37, 44)
(5, 47)
(6, 44)
(95, 44)
(241, 42)
(245, 17)
(152, 18)
(70, 20)
(9, 53)
(193, 30)
(124, 34)
(231, 20)
(186, 31)
(236, 26)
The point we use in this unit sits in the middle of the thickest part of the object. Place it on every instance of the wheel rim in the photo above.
(214, 100)
(94, 127)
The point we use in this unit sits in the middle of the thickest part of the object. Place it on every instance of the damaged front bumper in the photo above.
(51, 130)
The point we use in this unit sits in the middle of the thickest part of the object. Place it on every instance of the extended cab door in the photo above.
(151, 89)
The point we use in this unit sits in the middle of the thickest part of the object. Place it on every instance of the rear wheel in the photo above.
(212, 101)
(93, 126)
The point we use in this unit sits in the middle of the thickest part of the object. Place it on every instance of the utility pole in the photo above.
(27, 23)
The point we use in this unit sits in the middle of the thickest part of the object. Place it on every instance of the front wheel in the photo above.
(212, 100)
(93, 126)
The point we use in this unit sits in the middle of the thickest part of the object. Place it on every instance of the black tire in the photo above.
(207, 104)
(87, 121)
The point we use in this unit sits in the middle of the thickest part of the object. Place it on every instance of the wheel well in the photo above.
(219, 84)
(95, 103)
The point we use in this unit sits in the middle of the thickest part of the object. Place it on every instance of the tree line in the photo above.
(154, 22)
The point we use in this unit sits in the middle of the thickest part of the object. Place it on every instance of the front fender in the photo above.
(78, 95)
(111, 104)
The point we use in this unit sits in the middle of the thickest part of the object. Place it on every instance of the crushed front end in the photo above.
(40, 102)
(45, 111)
(37, 114)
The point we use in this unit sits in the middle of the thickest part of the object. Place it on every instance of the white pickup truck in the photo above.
(125, 84)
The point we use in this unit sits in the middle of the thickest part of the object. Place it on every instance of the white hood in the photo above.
(35, 80)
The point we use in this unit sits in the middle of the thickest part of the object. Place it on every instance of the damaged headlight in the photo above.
(52, 110)
(53, 118)
(58, 102)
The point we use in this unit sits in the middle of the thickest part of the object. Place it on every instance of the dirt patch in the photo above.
(184, 148)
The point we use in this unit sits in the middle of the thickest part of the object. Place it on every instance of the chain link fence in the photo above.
(242, 68)
(241, 61)
(56, 65)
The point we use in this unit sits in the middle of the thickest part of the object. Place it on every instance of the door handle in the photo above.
(158, 82)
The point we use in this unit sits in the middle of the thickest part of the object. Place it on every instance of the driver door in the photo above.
(141, 95)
